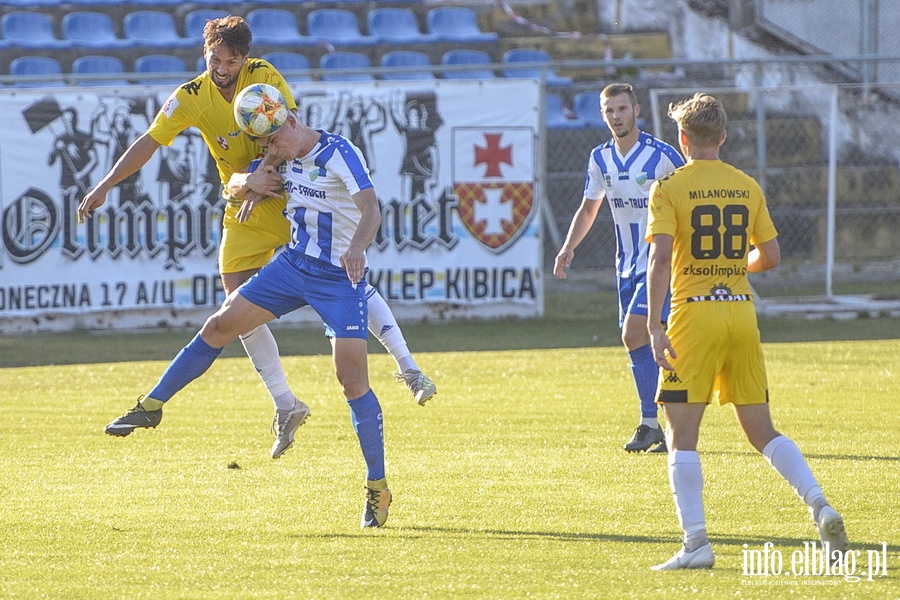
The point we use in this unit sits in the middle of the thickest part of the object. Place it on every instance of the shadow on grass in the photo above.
(852, 457)
(716, 539)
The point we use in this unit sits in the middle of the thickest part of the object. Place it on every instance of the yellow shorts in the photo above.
(250, 245)
(719, 355)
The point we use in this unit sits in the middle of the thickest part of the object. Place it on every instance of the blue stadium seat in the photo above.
(397, 26)
(338, 27)
(32, 3)
(95, 64)
(286, 62)
(406, 58)
(88, 29)
(161, 63)
(529, 55)
(555, 115)
(345, 60)
(195, 21)
(156, 3)
(34, 30)
(476, 58)
(93, 4)
(154, 29)
(587, 106)
(37, 65)
(276, 26)
(457, 24)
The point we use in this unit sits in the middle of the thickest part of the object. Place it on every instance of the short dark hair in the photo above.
(231, 31)
(614, 89)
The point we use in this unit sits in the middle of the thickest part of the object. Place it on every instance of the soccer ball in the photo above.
(260, 110)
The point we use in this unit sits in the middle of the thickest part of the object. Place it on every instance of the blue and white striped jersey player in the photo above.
(334, 216)
(622, 170)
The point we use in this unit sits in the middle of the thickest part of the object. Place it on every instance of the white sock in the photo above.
(262, 349)
(785, 457)
(384, 326)
(686, 480)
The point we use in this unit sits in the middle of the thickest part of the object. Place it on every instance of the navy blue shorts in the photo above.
(294, 280)
(633, 298)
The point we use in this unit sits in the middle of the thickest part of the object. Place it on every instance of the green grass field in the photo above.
(511, 483)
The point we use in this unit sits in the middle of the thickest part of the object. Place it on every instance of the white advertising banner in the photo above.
(454, 166)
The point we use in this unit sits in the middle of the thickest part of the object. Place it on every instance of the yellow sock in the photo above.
(151, 404)
(378, 486)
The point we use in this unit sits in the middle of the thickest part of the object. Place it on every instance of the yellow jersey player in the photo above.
(206, 103)
(708, 227)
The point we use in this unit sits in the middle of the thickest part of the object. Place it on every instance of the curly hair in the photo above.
(702, 118)
(231, 31)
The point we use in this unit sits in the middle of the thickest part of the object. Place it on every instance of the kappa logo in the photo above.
(672, 377)
(254, 65)
(192, 87)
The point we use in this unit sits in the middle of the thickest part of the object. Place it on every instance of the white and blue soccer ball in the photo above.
(260, 110)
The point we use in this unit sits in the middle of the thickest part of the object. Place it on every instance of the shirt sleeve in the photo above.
(171, 120)
(764, 228)
(661, 215)
(593, 185)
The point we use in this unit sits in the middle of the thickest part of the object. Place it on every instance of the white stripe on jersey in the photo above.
(625, 182)
(320, 206)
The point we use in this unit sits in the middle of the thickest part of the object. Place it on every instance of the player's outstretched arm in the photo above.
(135, 157)
(354, 259)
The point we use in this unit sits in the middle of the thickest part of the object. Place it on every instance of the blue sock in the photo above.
(646, 377)
(365, 414)
(192, 362)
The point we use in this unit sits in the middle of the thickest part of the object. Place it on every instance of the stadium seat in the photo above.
(32, 3)
(95, 65)
(161, 63)
(338, 27)
(345, 60)
(286, 62)
(397, 26)
(154, 29)
(88, 29)
(457, 24)
(33, 30)
(529, 55)
(195, 21)
(406, 58)
(555, 115)
(586, 105)
(93, 4)
(276, 26)
(37, 65)
(475, 58)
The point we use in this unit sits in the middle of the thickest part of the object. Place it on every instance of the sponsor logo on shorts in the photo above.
(352, 328)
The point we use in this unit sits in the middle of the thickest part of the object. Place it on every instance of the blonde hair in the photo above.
(702, 118)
